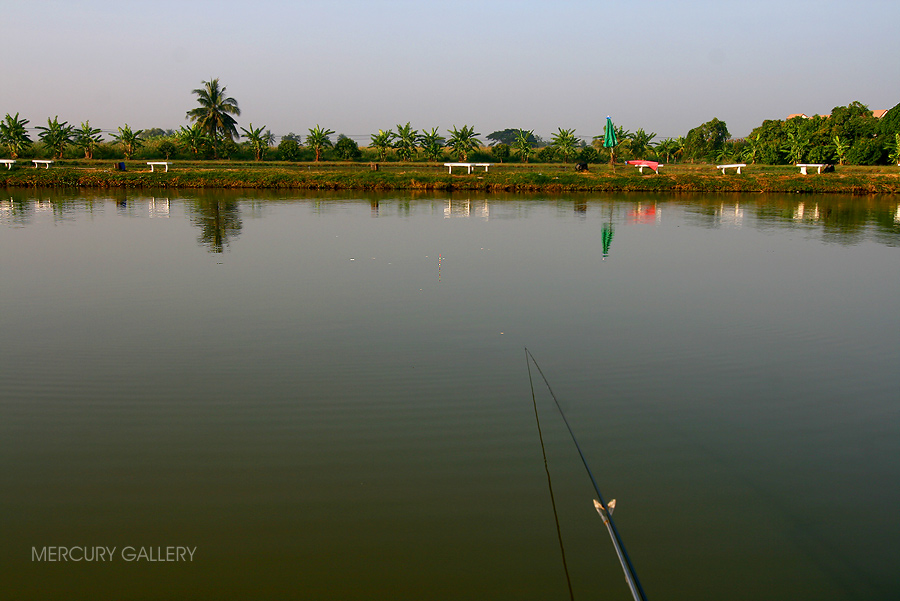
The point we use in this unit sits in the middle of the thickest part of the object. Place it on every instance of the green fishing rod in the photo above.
(604, 509)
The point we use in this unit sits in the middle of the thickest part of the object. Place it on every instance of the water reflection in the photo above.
(219, 220)
(845, 220)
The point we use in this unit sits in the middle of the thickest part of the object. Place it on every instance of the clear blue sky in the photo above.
(355, 66)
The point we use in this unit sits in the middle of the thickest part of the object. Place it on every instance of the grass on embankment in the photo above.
(431, 176)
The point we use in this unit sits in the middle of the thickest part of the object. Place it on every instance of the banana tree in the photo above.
(381, 142)
(840, 149)
(259, 139)
(194, 139)
(13, 135)
(87, 139)
(523, 144)
(56, 136)
(895, 151)
(432, 144)
(796, 144)
(751, 150)
(640, 143)
(130, 140)
(565, 143)
(318, 140)
(407, 141)
(463, 141)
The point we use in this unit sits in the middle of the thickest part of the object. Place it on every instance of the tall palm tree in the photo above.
(214, 115)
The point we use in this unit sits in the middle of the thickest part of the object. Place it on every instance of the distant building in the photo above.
(789, 117)
(879, 113)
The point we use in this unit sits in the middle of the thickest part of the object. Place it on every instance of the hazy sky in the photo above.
(356, 66)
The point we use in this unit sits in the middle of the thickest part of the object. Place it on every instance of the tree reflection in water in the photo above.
(219, 221)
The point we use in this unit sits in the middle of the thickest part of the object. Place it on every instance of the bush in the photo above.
(866, 151)
(547, 154)
(588, 154)
(347, 149)
(289, 150)
(167, 148)
(501, 152)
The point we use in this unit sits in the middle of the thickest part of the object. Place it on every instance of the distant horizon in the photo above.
(357, 66)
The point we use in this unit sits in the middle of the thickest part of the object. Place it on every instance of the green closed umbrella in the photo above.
(610, 140)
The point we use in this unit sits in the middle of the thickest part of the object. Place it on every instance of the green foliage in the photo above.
(501, 152)
(214, 115)
(640, 143)
(432, 144)
(890, 123)
(56, 136)
(347, 149)
(167, 148)
(289, 149)
(852, 122)
(524, 143)
(130, 140)
(565, 143)
(866, 151)
(406, 142)
(666, 149)
(706, 141)
(509, 137)
(87, 138)
(318, 140)
(382, 141)
(259, 140)
(894, 149)
(463, 141)
(547, 154)
(588, 154)
(157, 132)
(13, 135)
(194, 139)
(796, 144)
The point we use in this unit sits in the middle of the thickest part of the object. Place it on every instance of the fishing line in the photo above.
(630, 574)
(562, 549)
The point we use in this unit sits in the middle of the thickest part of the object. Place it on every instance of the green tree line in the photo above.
(849, 135)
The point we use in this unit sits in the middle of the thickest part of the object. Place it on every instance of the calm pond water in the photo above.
(327, 396)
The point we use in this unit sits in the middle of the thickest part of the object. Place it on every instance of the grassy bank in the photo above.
(424, 176)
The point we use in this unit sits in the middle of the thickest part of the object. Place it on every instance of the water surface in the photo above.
(328, 395)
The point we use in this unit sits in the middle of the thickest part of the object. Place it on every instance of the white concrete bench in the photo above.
(469, 166)
(46, 163)
(160, 164)
(804, 166)
(8, 162)
(736, 166)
